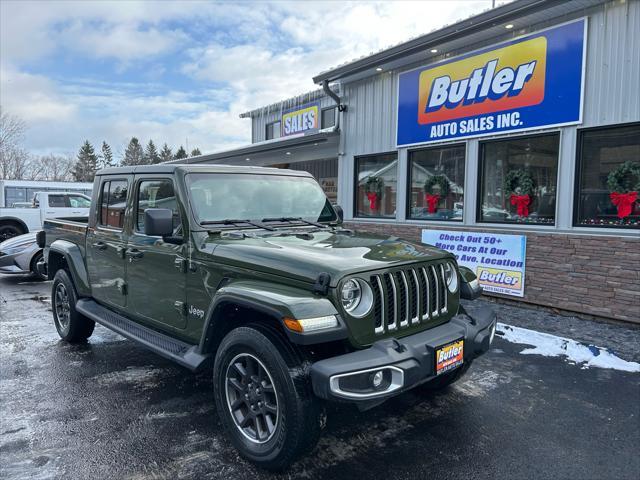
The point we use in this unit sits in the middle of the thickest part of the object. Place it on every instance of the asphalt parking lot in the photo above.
(110, 409)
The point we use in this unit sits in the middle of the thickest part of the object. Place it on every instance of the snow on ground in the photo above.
(574, 352)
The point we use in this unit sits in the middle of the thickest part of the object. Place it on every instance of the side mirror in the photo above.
(470, 289)
(339, 212)
(158, 222)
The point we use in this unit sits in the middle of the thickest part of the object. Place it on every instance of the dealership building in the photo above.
(511, 138)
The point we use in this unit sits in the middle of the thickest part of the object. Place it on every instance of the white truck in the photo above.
(19, 220)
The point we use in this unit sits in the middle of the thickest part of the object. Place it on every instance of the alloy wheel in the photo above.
(252, 398)
(63, 307)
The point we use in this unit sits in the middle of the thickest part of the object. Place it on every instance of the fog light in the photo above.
(376, 379)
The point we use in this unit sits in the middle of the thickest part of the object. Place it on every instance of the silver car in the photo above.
(20, 255)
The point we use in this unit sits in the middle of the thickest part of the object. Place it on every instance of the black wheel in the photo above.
(34, 267)
(72, 326)
(446, 379)
(270, 417)
(8, 231)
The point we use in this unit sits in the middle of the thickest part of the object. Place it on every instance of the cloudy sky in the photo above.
(182, 71)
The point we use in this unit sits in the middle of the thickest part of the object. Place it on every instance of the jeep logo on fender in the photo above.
(529, 82)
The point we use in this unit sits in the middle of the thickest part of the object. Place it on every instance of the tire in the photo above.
(283, 388)
(72, 326)
(34, 267)
(9, 230)
(446, 379)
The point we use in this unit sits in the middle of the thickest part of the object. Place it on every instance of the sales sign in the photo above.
(497, 260)
(301, 120)
(532, 82)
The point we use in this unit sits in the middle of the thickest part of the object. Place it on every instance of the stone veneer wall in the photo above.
(594, 275)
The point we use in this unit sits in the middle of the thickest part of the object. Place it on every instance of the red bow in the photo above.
(624, 202)
(432, 202)
(522, 201)
(373, 200)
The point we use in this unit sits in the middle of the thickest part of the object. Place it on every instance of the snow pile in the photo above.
(575, 352)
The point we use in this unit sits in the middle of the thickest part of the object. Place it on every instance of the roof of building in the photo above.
(287, 102)
(476, 30)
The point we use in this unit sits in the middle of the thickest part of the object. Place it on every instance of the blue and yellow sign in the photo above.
(301, 120)
(532, 82)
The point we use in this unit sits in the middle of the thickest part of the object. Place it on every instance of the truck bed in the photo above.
(72, 229)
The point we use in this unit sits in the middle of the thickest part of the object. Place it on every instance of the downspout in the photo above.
(336, 98)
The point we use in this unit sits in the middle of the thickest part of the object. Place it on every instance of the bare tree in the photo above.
(14, 160)
(56, 168)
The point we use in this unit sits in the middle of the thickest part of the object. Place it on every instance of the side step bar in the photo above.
(180, 352)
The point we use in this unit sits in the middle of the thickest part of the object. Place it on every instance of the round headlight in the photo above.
(451, 276)
(357, 297)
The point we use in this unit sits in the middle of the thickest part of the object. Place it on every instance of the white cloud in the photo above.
(237, 57)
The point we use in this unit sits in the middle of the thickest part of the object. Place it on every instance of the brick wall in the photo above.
(594, 275)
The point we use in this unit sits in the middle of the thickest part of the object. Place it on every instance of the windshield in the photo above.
(220, 196)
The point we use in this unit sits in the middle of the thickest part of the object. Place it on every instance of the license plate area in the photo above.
(449, 356)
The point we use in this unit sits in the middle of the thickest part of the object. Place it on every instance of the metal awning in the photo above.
(321, 145)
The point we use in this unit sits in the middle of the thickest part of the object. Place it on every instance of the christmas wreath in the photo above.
(624, 184)
(374, 188)
(433, 196)
(520, 187)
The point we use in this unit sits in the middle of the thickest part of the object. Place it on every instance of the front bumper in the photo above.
(13, 263)
(409, 361)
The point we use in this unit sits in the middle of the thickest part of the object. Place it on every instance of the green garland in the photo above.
(521, 179)
(374, 185)
(625, 178)
(441, 181)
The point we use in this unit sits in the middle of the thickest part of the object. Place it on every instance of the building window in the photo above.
(273, 130)
(607, 193)
(328, 117)
(436, 177)
(113, 201)
(518, 178)
(376, 181)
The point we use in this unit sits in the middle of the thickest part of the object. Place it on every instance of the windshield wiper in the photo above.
(295, 219)
(234, 222)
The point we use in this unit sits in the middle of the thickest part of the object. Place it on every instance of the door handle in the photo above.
(99, 245)
(133, 253)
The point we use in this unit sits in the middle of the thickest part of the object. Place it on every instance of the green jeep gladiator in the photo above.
(248, 272)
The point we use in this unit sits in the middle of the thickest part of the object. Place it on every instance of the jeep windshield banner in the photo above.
(302, 120)
(497, 260)
(531, 82)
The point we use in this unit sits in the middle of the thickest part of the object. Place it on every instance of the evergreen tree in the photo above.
(133, 155)
(86, 165)
(105, 159)
(195, 152)
(166, 154)
(151, 153)
(181, 153)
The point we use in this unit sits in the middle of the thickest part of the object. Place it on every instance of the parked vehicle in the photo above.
(248, 272)
(17, 221)
(20, 255)
(22, 191)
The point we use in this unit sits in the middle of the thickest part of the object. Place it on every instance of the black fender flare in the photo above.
(70, 252)
(276, 303)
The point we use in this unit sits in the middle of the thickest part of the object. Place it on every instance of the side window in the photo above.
(76, 201)
(113, 201)
(156, 194)
(56, 201)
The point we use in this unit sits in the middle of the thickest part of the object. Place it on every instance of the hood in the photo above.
(16, 241)
(304, 256)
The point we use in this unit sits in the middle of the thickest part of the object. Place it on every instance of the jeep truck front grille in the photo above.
(408, 296)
